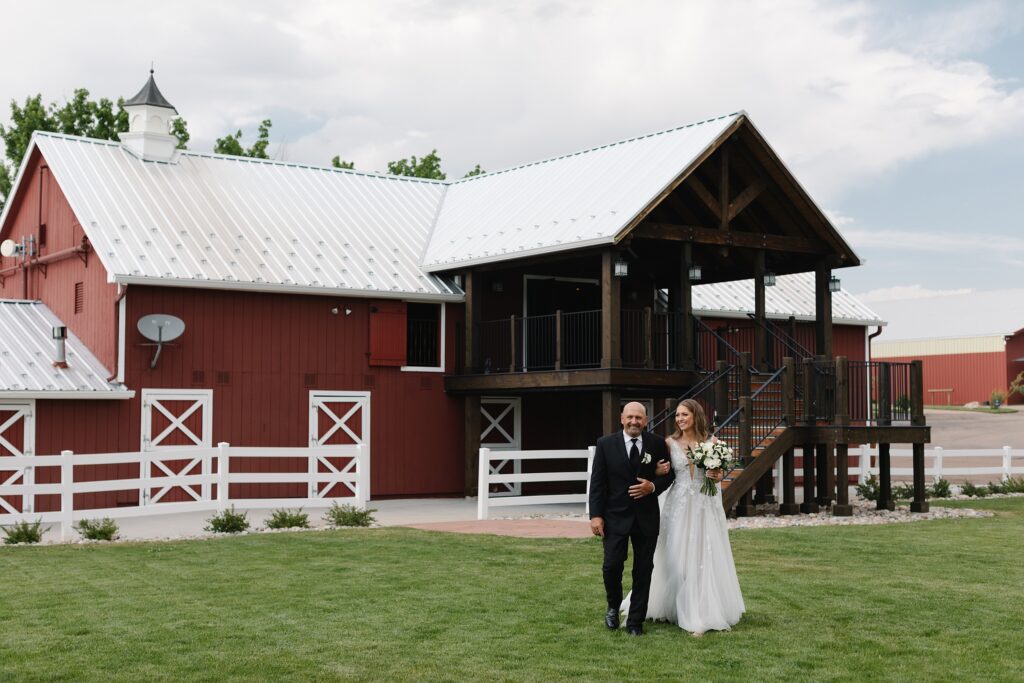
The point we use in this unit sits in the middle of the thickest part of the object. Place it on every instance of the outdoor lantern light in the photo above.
(621, 268)
(769, 279)
(695, 273)
(833, 284)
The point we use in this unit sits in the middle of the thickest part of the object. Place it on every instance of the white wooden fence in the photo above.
(489, 474)
(349, 481)
(934, 463)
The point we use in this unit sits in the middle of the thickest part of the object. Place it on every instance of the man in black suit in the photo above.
(624, 493)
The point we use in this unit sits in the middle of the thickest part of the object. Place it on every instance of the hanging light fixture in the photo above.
(694, 273)
(621, 268)
(769, 279)
(833, 284)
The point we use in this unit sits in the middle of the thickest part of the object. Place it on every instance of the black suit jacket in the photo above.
(611, 478)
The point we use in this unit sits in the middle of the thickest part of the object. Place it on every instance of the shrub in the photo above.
(228, 522)
(997, 398)
(348, 515)
(1014, 485)
(97, 529)
(23, 532)
(973, 491)
(904, 492)
(870, 489)
(902, 404)
(940, 489)
(286, 519)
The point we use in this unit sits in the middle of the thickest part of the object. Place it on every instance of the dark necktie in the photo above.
(634, 456)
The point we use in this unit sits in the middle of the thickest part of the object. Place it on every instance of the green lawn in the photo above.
(926, 601)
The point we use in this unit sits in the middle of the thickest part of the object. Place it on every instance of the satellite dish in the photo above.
(8, 248)
(160, 328)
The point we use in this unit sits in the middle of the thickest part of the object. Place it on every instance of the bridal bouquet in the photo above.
(711, 456)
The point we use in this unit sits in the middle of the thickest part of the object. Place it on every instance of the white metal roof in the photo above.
(792, 295)
(228, 222)
(582, 199)
(27, 351)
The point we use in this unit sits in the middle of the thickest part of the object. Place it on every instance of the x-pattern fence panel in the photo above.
(17, 436)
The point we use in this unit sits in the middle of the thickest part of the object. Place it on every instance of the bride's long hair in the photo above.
(700, 420)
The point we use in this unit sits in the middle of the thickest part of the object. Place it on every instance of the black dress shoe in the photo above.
(611, 618)
(635, 630)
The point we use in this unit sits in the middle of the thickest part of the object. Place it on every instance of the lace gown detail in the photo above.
(694, 583)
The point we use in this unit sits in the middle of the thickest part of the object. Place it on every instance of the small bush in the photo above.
(286, 519)
(870, 489)
(348, 515)
(904, 492)
(940, 489)
(973, 491)
(902, 404)
(997, 488)
(997, 398)
(97, 529)
(1014, 485)
(23, 532)
(228, 522)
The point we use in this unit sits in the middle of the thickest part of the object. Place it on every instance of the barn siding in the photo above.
(56, 283)
(971, 376)
(1014, 362)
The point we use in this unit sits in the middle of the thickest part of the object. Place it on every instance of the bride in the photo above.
(694, 582)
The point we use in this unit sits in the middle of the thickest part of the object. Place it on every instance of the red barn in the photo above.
(421, 318)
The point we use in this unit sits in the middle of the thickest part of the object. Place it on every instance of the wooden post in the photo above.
(808, 417)
(744, 388)
(916, 393)
(512, 342)
(611, 334)
(745, 506)
(687, 358)
(788, 505)
(825, 475)
(920, 502)
(842, 508)
(884, 395)
(472, 445)
(842, 397)
(885, 501)
(762, 357)
(810, 505)
(611, 411)
(648, 339)
(470, 285)
(558, 339)
(822, 310)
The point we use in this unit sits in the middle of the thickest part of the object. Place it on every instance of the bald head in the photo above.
(633, 418)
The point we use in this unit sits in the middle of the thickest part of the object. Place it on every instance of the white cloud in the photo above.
(500, 83)
(909, 293)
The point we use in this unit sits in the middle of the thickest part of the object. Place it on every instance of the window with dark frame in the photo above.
(423, 335)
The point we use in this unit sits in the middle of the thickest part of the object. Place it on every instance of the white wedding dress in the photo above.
(694, 582)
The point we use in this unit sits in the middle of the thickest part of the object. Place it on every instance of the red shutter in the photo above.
(387, 333)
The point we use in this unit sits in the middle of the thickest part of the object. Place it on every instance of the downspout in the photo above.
(122, 290)
(870, 337)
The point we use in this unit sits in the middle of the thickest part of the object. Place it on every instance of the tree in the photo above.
(232, 144)
(101, 119)
(336, 162)
(475, 172)
(427, 167)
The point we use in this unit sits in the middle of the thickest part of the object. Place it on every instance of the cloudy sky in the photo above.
(903, 119)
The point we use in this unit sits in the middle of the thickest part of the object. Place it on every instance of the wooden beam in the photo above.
(744, 198)
(611, 334)
(761, 352)
(723, 190)
(822, 310)
(704, 195)
(703, 235)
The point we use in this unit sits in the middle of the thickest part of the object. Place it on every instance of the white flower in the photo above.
(712, 463)
(646, 459)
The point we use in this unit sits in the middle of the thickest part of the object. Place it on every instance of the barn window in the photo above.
(407, 335)
(79, 297)
(423, 335)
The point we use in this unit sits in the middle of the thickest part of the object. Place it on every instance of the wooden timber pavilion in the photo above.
(576, 332)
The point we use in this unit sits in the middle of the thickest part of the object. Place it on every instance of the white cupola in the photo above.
(149, 125)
